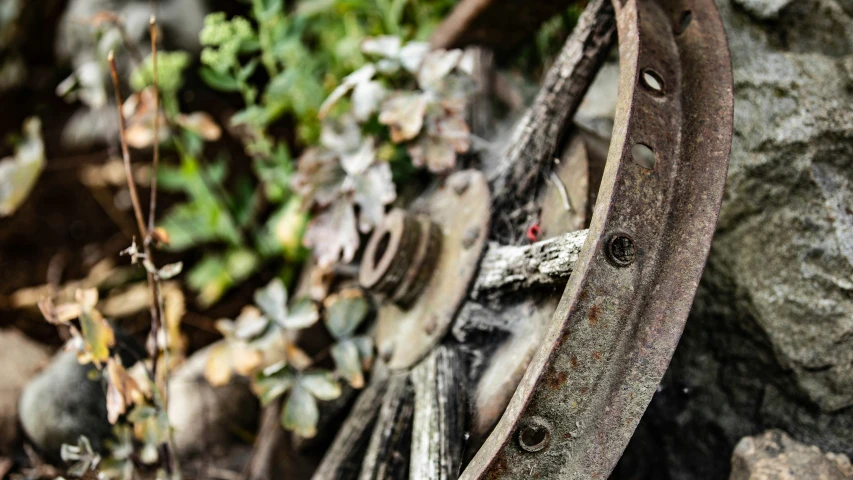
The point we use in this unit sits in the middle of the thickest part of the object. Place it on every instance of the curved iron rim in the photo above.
(617, 326)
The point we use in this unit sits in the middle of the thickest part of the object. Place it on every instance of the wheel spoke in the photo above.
(439, 420)
(344, 458)
(387, 455)
(508, 268)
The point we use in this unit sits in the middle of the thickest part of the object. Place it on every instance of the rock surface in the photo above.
(21, 358)
(769, 343)
(203, 416)
(62, 403)
(774, 455)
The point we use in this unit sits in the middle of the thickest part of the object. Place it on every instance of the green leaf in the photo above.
(272, 300)
(82, 455)
(18, 174)
(247, 70)
(272, 382)
(300, 412)
(347, 362)
(215, 274)
(321, 385)
(170, 72)
(302, 314)
(364, 344)
(218, 80)
(345, 311)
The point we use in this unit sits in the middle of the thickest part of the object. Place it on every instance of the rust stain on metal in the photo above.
(592, 316)
(556, 381)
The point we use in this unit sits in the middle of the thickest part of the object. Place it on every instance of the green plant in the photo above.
(406, 108)
(262, 344)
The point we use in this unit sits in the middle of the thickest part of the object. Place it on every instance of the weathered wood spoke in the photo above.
(439, 421)
(509, 268)
(344, 458)
(387, 455)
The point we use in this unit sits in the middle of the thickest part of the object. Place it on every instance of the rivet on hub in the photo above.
(621, 250)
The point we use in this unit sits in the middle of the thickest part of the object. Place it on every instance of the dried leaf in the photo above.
(333, 234)
(174, 308)
(245, 358)
(366, 98)
(436, 65)
(412, 55)
(59, 314)
(404, 114)
(345, 311)
(140, 115)
(201, 124)
(160, 235)
(321, 385)
(98, 336)
(387, 46)
(300, 412)
(170, 270)
(217, 371)
(319, 177)
(122, 390)
(358, 161)
(373, 190)
(434, 153)
(349, 82)
(341, 135)
(347, 362)
(296, 357)
(18, 173)
(250, 324)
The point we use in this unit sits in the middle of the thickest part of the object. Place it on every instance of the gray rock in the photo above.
(62, 403)
(769, 343)
(21, 359)
(764, 9)
(204, 417)
(774, 455)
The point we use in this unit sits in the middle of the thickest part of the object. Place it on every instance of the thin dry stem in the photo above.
(125, 154)
(152, 209)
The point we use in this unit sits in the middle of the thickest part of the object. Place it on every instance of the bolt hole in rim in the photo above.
(653, 81)
(684, 22)
(534, 436)
(643, 155)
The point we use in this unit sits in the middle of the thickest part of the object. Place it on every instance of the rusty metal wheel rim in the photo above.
(618, 323)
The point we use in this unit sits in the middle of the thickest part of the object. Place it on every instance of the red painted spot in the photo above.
(533, 232)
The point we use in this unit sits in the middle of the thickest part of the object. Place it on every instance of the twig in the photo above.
(156, 308)
(152, 209)
(125, 154)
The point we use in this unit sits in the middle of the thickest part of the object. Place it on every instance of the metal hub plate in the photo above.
(460, 206)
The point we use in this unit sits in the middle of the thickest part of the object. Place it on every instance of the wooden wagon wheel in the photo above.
(612, 332)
